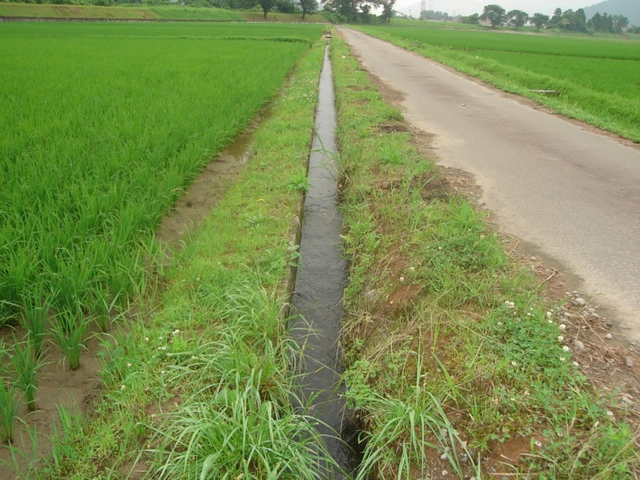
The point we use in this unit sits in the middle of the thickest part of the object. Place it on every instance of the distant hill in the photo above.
(628, 8)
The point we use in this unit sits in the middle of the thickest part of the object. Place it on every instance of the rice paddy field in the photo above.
(596, 80)
(103, 127)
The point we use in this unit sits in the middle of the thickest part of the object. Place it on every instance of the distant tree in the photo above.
(517, 18)
(266, 5)
(308, 7)
(620, 23)
(387, 10)
(554, 22)
(432, 15)
(596, 23)
(472, 19)
(286, 6)
(494, 14)
(539, 20)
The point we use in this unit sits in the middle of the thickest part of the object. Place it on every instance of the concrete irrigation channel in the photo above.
(321, 279)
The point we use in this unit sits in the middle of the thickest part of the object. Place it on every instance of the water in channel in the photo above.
(322, 277)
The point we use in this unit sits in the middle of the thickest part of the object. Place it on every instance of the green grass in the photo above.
(451, 350)
(596, 78)
(215, 354)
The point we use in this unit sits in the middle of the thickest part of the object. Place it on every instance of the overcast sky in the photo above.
(467, 7)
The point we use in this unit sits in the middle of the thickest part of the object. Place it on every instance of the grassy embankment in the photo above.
(119, 145)
(595, 79)
(453, 356)
(163, 12)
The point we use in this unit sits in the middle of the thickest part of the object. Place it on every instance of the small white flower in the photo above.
(500, 323)
(560, 338)
(175, 332)
(576, 364)
(563, 326)
(549, 314)
(129, 365)
(162, 372)
(562, 359)
(146, 339)
(122, 387)
(565, 348)
(514, 363)
(550, 321)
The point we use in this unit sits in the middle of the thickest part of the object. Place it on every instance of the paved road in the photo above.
(573, 195)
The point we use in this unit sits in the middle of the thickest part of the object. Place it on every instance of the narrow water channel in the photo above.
(322, 277)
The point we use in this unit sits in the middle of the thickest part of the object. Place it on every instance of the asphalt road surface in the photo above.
(569, 192)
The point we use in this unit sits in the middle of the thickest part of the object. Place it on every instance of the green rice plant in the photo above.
(88, 224)
(9, 405)
(26, 363)
(25, 452)
(35, 315)
(238, 434)
(105, 309)
(69, 332)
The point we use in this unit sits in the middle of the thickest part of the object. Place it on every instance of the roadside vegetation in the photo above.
(455, 361)
(566, 74)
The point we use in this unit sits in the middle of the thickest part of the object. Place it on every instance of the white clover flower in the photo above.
(562, 359)
(129, 365)
(562, 326)
(122, 387)
(560, 338)
(514, 363)
(565, 348)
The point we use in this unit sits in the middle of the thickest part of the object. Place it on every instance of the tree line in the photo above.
(564, 20)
